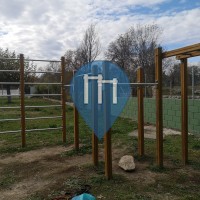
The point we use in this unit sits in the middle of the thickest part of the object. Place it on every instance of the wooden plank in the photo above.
(63, 100)
(76, 129)
(184, 110)
(22, 102)
(159, 109)
(189, 55)
(184, 50)
(140, 95)
(95, 117)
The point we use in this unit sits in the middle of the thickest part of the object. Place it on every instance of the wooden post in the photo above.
(184, 110)
(22, 102)
(159, 109)
(107, 137)
(140, 96)
(63, 99)
(94, 116)
(76, 129)
(76, 117)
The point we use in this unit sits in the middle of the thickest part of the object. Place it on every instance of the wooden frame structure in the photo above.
(22, 96)
(181, 54)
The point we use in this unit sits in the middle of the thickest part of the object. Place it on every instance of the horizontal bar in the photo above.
(53, 117)
(67, 85)
(5, 120)
(17, 131)
(145, 84)
(38, 60)
(48, 106)
(43, 129)
(27, 83)
(9, 71)
(43, 95)
(11, 107)
(39, 72)
(9, 58)
(28, 95)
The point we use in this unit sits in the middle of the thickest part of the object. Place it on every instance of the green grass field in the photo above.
(173, 181)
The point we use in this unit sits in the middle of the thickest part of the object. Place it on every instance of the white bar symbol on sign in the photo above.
(100, 81)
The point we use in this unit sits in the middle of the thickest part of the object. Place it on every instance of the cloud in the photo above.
(46, 29)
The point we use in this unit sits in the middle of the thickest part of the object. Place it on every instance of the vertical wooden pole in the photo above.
(94, 117)
(184, 110)
(76, 129)
(140, 95)
(159, 109)
(107, 137)
(22, 102)
(76, 117)
(63, 96)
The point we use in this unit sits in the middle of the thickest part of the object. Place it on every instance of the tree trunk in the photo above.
(8, 93)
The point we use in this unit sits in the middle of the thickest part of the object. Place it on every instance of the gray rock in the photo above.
(127, 163)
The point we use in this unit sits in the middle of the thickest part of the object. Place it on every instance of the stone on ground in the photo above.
(127, 163)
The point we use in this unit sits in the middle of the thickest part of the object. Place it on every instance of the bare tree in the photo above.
(136, 48)
(88, 50)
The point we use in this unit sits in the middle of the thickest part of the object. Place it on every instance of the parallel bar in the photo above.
(184, 110)
(40, 72)
(11, 107)
(9, 58)
(140, 96)
(48, 106)
(9, 71)
(42, 129)
(27, 83)
(159, 113)
(22, 103)
(53, 117)
(17, 131)
(138, 84)
(179, 51)
(5, 120)
(27, 95)
(63, 98)
(42, 60)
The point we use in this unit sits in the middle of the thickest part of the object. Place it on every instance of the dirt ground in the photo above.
(43, 169)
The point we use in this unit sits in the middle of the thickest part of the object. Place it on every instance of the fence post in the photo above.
(140, 96)
(159, 111)
(184, 110)
(94, 117)
(63, 96)
(22, 102)
(107, 137)
(76, 120)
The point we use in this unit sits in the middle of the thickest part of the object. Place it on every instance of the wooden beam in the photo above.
(189, 55)
(184, 110)
(22, 102)
(159, 109)
(184, 50)
(63, 99)
(140, 95)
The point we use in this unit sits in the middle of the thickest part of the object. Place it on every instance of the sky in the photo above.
(46, 29)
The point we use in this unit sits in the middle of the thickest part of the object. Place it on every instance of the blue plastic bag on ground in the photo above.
(84, 196)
